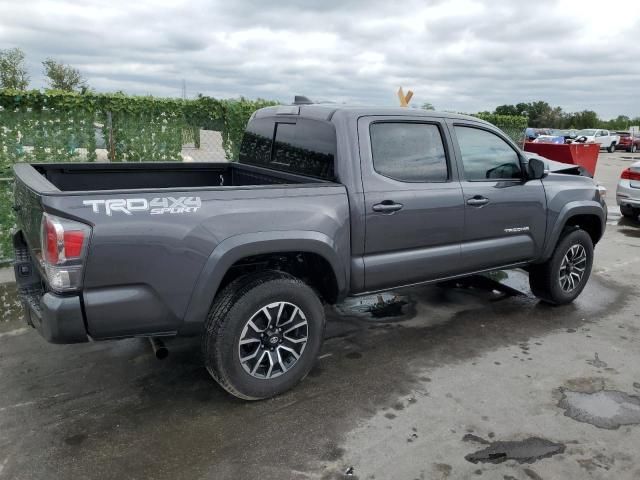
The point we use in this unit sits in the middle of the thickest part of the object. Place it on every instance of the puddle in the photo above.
(377, 307)
(630, 232)
(603, 409)
(522, 451)
(10, 308)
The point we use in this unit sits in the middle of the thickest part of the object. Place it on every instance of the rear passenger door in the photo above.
(505, 214)
(414, 212)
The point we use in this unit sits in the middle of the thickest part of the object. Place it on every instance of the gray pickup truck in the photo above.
(326, 201)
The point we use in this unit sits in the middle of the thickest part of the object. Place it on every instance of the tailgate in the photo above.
(28, 209)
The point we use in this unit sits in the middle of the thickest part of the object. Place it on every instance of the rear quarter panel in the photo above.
(152, 262)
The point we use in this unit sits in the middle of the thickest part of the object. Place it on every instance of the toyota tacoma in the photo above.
(325, 202)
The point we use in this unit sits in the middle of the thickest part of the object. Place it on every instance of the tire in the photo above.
(239, 313)
(633, 149)
(545, 279)
(629, 212)
(612, 148)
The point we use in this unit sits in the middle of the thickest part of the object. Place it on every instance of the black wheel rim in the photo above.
(273, 340)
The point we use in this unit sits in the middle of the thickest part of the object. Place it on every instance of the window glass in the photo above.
(486, 156)
(409, 152)
(306, 147)
(256, 142)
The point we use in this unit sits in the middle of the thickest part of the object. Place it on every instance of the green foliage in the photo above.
(62, 126)
(512, 125)
(7, 220)
(63, 77)
(427, 106)
(13, 73)
(236, 114)
(543, 115)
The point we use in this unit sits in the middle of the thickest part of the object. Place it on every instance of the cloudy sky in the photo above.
(462, 55)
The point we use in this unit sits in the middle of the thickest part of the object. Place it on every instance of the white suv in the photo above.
(605, 138)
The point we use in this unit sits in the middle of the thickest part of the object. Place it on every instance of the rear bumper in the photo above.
(627, 195)
(58, 319)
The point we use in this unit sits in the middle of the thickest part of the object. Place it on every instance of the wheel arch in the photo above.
(315, 246)
(587, 215)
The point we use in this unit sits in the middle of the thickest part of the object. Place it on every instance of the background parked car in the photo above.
(605, 138)
(628, 192)
(567, 134)
(628, 143)
(533, 133)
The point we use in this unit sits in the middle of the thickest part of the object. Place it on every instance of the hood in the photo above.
(559, 167)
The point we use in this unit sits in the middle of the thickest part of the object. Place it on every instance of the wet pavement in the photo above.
(469, 379)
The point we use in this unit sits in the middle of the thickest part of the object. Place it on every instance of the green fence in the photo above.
(41, 127)
(514, 126)
(7, 222)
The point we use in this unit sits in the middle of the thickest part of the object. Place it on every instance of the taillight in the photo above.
(64, 245)
(629, 174)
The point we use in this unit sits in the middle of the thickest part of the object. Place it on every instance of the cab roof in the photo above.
(325, 111)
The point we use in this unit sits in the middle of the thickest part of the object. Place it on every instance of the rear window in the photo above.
(408, 152)
(301, 146)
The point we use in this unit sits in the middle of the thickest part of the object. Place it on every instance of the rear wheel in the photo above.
(612, 148)
(263, 334)
(634, 148)
(629, 211)
(563, 277)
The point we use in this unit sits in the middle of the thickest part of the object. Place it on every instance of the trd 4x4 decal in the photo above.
(155, 206)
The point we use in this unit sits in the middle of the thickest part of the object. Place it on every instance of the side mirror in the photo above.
(536, 169)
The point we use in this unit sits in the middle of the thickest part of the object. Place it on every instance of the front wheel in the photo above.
(263, 334)
(634, 148)
(563, 277)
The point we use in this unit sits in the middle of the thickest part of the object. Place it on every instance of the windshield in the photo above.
(586, 133)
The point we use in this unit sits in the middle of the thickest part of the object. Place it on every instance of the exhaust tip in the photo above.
(159, 348)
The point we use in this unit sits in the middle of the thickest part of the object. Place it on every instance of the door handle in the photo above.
(388, 206)
(477, 201)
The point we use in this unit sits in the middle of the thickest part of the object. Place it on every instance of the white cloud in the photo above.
(465, 55)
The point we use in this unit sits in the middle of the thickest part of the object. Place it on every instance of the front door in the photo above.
(414, 213)
(505, 214)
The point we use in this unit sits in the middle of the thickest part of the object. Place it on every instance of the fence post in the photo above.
(111, 145)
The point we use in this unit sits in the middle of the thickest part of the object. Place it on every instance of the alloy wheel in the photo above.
(273, 340)
(572, 268)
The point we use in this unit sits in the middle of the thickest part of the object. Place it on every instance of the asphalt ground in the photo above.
(473, 379)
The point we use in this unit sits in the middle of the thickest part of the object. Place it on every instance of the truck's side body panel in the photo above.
(152, 261)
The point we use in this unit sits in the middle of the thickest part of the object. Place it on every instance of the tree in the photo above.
(585, 119)
(13, 73)
(427, 106)
(63, 77)
(507, 110)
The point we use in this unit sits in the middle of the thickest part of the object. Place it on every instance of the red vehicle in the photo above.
(628, 143)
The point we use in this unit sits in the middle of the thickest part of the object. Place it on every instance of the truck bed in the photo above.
(155, 229)
(86, 177)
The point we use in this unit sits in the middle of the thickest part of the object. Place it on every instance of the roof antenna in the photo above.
(301, 100)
